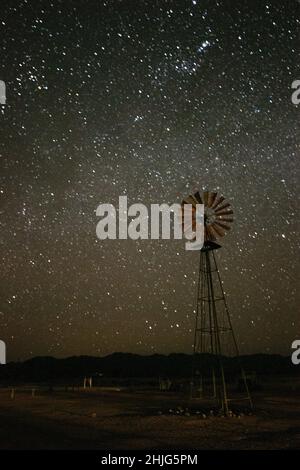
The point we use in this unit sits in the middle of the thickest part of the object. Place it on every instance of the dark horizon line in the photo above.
(46, 356)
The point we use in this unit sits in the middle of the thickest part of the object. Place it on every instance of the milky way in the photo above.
(149, 99)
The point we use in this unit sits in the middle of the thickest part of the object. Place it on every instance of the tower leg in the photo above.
(211, 323)
(237, 353)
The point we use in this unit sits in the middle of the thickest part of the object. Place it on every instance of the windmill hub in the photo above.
(209, 216)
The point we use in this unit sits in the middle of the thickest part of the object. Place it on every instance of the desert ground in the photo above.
(112, 418)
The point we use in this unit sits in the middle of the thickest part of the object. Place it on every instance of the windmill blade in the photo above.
(213, 231)
(211, 198)
(184, 226)
(187, 212)
(188, 216)
(225, 212)
(188, 200)
(219, 231)
(185, 209)
(187, 224)
(210, 233)
(218, 201)
(223, 219)
(224, 206)
(195, 199)
(206, 236)
(198, 197)
(205, 197)
(221, 224)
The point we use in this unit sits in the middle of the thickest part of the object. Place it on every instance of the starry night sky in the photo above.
(149, 99)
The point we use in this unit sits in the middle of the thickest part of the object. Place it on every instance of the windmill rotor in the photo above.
(217, 216)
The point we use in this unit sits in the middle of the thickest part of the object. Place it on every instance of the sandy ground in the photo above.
(110, 419)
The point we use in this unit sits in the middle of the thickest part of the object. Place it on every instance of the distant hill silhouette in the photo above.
(125, 365)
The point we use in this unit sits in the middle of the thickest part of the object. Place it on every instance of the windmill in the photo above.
(213, 328)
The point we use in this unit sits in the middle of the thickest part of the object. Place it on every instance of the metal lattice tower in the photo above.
(214, 338)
